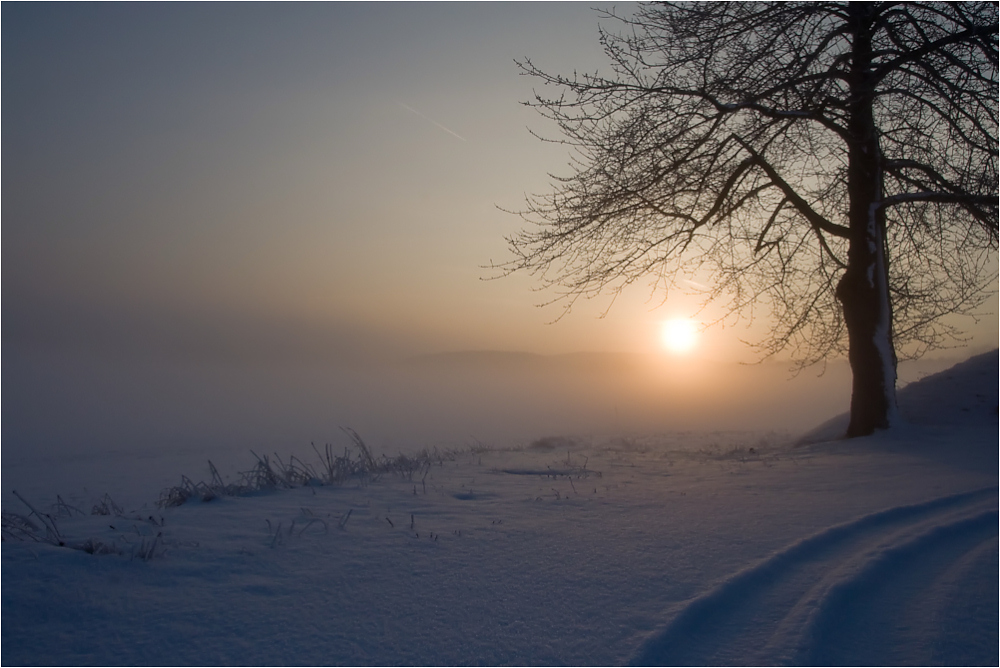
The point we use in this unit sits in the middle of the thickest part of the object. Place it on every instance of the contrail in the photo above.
(696, 284)
(430, 120)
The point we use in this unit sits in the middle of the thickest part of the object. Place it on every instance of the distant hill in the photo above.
(486, 360)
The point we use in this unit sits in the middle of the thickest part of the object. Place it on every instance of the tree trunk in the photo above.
(864, 289)
(864, 295)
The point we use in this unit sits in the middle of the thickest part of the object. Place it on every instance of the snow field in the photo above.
(691, 548)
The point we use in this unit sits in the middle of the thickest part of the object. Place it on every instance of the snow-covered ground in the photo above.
(684, 548)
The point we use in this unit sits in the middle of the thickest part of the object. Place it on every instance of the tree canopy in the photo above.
(800, 152)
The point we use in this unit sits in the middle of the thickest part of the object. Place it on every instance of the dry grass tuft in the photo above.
(272, 472)
(40, 527)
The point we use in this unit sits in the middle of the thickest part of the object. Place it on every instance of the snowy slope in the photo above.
(689, 548)
(964, 396)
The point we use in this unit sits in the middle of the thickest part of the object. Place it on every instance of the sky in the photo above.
(192, 191)
(326, 168)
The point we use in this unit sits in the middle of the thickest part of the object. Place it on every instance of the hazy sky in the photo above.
(327, 168)
(226, 184)
(308, 173)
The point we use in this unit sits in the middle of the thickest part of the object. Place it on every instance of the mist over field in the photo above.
(166, 400)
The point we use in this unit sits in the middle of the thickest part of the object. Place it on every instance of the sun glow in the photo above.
(679, 335)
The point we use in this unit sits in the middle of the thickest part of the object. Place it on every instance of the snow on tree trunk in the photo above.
(864, 294)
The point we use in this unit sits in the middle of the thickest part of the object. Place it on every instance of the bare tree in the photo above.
(805, 153)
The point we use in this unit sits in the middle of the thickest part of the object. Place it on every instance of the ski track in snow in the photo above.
(825, 600)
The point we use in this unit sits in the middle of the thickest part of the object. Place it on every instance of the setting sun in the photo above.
(679, 335)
